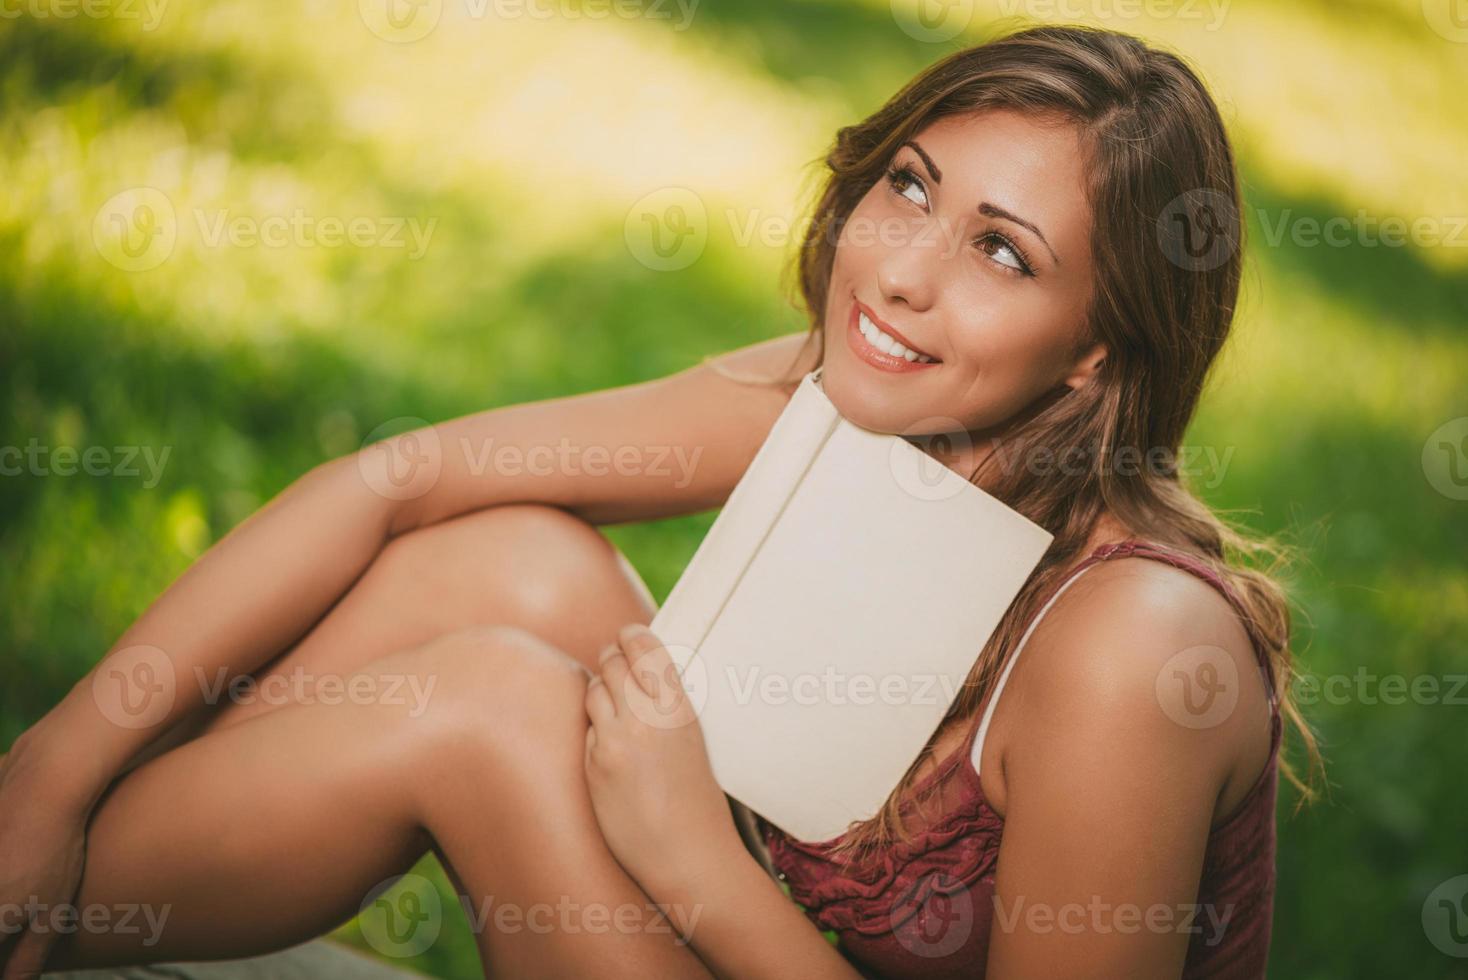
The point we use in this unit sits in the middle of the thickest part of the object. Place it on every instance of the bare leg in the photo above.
(525, 565)
(270, 831)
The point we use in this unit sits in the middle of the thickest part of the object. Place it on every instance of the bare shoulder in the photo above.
(1151, 662)
(755, 381)
(788, 356)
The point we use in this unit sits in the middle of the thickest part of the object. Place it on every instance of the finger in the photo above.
(636, 639)
(652, 666)
(607, 651)
(599, 706)
(617, 677)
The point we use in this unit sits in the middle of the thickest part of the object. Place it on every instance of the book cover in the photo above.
(831, 614)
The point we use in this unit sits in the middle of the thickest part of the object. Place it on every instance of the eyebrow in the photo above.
(933, 170)
(985, 208)
(995, 211)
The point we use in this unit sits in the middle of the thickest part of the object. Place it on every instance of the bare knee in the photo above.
(537, 567)
(504, 689)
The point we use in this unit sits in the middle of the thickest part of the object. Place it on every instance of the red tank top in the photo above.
(924, 908)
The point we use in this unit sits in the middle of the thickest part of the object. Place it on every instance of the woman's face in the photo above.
(976, 253)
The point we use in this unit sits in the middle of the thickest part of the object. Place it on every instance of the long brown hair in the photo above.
(1162, 170)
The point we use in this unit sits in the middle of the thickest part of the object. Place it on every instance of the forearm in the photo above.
(247, 598)
(743, 927)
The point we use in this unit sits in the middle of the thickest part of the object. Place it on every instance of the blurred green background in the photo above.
(519, 148)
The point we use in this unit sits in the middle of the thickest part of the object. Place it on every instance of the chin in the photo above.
(875, 405)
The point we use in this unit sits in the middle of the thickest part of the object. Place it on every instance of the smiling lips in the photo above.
(880, 345)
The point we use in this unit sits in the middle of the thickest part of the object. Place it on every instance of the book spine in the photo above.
(738, 532)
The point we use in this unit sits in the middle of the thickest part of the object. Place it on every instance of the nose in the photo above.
(906, 273)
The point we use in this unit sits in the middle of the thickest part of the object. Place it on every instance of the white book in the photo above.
(831, 614)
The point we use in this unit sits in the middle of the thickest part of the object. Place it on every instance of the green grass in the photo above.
(526, 144)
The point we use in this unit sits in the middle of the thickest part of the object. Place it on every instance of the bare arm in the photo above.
(668, 446)
(1108, 801)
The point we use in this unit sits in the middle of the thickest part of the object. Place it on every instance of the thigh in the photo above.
(253, 838)
(268, 832)
(528, 566)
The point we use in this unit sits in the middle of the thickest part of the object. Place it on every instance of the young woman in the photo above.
(993, 261)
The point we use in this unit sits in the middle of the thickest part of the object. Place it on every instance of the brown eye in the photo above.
(906, 184)
(1004, 252)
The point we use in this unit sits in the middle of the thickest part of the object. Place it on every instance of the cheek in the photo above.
(1011, 349)
(1002, 330)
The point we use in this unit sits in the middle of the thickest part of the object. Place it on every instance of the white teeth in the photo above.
(885, 343)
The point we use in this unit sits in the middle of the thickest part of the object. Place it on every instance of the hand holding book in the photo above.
(647, 767)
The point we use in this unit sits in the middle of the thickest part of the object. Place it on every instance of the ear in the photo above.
(1086, 365)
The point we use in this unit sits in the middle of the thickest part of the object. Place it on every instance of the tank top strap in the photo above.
(975, 744)
(1123, 549)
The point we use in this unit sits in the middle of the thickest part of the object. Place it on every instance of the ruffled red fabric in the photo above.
(881, 894)
(925, 907)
